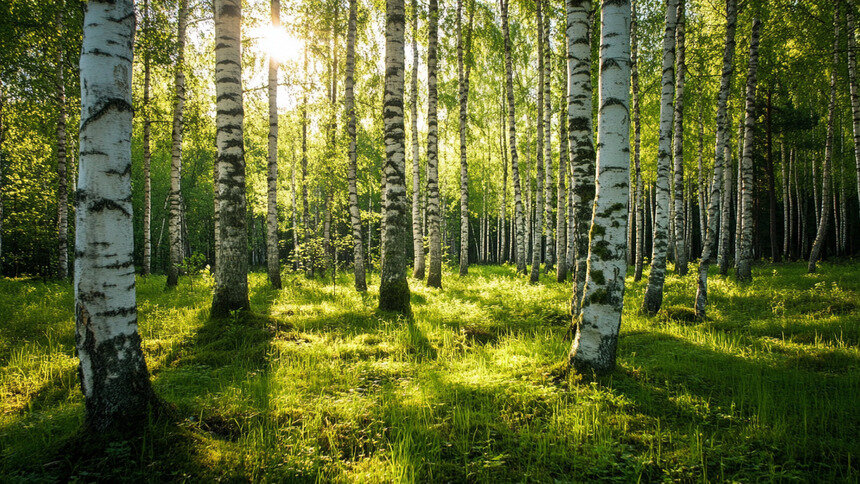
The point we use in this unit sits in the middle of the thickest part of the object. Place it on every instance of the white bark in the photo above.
(175, 214)
(434, 274)
(519, 223)
(678, 158)
(354, 212)
(538, 230)
(744, 264)
(417, 233)
(62, 176)
(273, 264)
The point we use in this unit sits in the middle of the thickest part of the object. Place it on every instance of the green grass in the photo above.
(315, 385)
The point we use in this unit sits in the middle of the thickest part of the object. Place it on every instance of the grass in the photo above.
(316, 386)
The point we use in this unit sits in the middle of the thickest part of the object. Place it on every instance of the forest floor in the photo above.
(315, 385)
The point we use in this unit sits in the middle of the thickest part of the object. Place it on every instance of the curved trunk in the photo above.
(231, 274)
(174, 231)
(354, 211)
(393, 286)
(721, 152)
(272, 253)
(537, 231)
(512, 141)
(744, 265)
(680, 238)
(113, 374)
(654, 293)
(580, 135)
(821, 233)
(434, 224)
(417, 233)
(596, 340)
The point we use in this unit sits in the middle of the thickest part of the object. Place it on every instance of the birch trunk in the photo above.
(113, 374)
(771, 182)
(702, 200)
(786, 201)
(349, 95)
(272, 253)
(580, 133)
(62, 148)
(654, 293)
(174, 231)
(307, 263)
(503, 212)
(295, 212)
(147, 155)
(596, 340)
(680, 238)
(417, 233)
(434, 224)
(821, 233)
(549, 184)
(537, 231)
(744, 264)
(561, 194)
(393, 287)
(637, 136)
(855, 94)
(231, 275)
(512, 141)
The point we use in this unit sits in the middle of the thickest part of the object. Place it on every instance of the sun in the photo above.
(283, 47)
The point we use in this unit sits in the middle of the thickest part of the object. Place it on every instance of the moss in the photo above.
(394, 296)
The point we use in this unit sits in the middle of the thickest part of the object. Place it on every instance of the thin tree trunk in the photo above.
(855, 94)
(113, 374)
(62, 148)
(580, 134)
(519, 223)
(561, 194)
(417, 233)
(771, 183)
(272, 252)
(637, 134)
(231, 276)
(174, 225)
(786, 202)
(354, 211)
(306, 232)
(744, 265)
(504, 209)
(434, 274)
(464, 63)
(596, 340)
(700, 183)
(549, 185)
(739, 202)
(295, 211)
(654, 293)
(394, 288)
(147, 155)
(537, 232)
(680, 238)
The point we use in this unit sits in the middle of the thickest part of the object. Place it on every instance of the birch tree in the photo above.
(147, 154)
(637, 144)
(744, 262)
(463, 69)
(417, 233)
(349, 99)
(231, 268)
(113, 374)
(394, 288)
(680, 243)
(273, 264)
(537, 231)
(855, 93)
(434, 224)
(519, 222)
(62, 148)
(654, 293)
(549, 183)
(599, 320)
(175, 198)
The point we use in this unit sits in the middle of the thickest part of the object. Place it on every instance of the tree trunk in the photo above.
(354, 211)
(702, 200)
(637, 135)
(580, 133)
(654, 293)
(537, 231)
(174, 225)
(295, 211)
(417, 233)
(519, 223)
(739, 183)
(821, 233)
(62, 148)
(596, 340)
(231, 275)
(549, 184)
(561, 194)
(147, 155)
(434, 224)
(771, 183)
(463, 67)
(307, 263)
(504, 240)
(855, 94)
(786, 201)
(680, 238)
(393, 287)
(113, 374)
(272, 252)
(744, 265)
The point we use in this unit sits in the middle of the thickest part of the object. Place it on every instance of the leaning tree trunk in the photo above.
(393, 286)
(579, 132)
(354, 211)
(721, 152)
(231, 274)
(596, 340)
(512, 141)
(272, 253)
(821, 234)
(417, 233)
(744, 264)
(855, 95)
(637, 135)
(550, 205)
(147, 155)
(434, 224)
(174, 231)
(654, 293)
(62, 177)
(680, 242)
(113, 374)
(537, 232)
